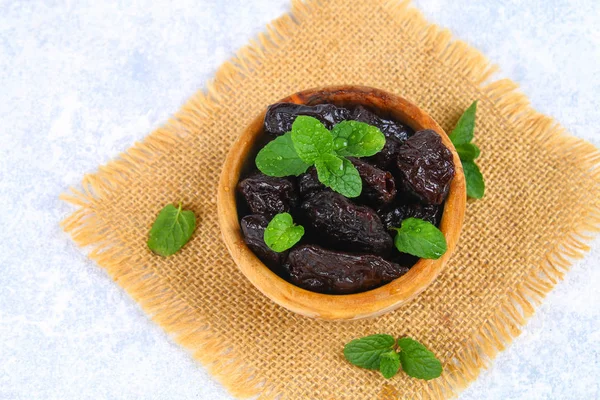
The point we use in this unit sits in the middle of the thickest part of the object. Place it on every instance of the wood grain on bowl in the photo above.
(337, 307)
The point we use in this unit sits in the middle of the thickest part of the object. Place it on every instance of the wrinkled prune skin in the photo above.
(343, 225)
(309, 183)
(386, 158)
(253, 229)
(280, 116)
(393, 215)
(378, 186)
(389, 128)
(395, 135)
(425, 167)
(268, 195)
(326, 271)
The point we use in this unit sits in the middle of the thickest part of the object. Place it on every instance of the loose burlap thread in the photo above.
(542, 204)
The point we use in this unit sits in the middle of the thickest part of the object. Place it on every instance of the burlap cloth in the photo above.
(542, 204)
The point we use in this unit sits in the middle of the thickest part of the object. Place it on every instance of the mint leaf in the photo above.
(357, 139)
(468, 151)
(474, 179)
(366, 352)
(311, 138)
(171, 230)
(389, 364)
(461, 137)
(281, 233)
(339, 174)
(417, 361)
(377, 352)
(420, 238)
(463, 132)
(279, 158)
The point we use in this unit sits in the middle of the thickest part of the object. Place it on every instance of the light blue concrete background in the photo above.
(81, 81)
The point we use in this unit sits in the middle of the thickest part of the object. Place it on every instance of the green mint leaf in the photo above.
(366, 352)
(279, 158)
(474, 179)
(420, 238)
(311, 138)
(339, 174)
(357, 139)
(417, 361)
(171, 230)
(463, 132)
(390, 364)
(468, 151)
(461, 137)
(281, 233)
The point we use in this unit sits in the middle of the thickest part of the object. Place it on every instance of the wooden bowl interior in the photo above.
(240, 162)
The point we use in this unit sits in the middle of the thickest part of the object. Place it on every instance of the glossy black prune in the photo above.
(425, 167)
(309, 183)
(393, 215)
(378, 186)
(326, 271)
(386, 158)
(403, 259)
(395, 135)
(268, 195)
(337, 221)
(280, 116)
(391, 129)
(253, 229)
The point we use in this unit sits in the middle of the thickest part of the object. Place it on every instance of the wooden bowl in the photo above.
(323, 306)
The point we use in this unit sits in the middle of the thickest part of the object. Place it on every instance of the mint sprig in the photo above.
(384, 353)
(311, 143)
(281, 233)
(461, 137)
(171, 230)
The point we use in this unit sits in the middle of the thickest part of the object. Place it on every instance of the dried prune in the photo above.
(393, 215)
(403, 259)
(253, 229)
(308, 183)
(391, 129)
(280, 116)
(378, 186)
(268, 195)
(344, 225)
(326, 271)
(395, 135)
(386, 158)
(425, 167)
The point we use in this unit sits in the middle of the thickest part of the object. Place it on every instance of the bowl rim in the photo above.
(371, 303)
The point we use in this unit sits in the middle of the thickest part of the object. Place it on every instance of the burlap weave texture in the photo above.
(542, 204)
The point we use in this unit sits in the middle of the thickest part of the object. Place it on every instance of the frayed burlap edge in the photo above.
(182, 321)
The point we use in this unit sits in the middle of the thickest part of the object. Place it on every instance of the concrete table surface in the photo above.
(80, 81)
